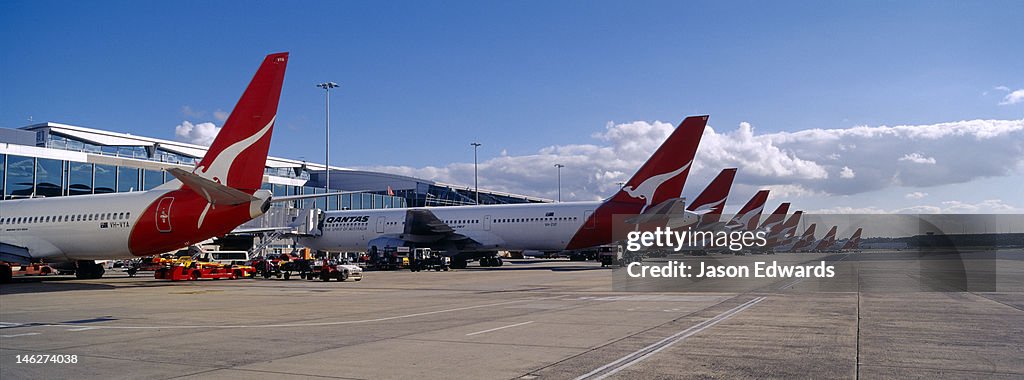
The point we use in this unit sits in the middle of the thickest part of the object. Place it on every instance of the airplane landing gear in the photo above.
(459, 262)
(88, 269)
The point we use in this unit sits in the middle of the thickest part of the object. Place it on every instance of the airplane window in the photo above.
(47, 219)
(128, 215)
(120, 215)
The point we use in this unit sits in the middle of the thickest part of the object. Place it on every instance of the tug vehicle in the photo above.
(325, 270)
(194, 268)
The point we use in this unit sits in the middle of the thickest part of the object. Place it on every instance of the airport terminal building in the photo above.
(53, 159)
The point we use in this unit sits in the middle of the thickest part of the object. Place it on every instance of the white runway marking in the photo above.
(17, 335)
(499, 328)
(84, 328)
(310, 324)
(646, 352)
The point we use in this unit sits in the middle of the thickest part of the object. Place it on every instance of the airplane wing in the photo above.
(424, 222)
(424, 228)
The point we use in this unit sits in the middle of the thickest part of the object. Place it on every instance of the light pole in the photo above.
(476, 183)
(559, 167)
(327, 86)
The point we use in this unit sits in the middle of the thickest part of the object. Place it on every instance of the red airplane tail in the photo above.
(854, 241)
(238, 155)
(661, 178)
(789, 227)
(775, 219)
(827, 240)
(785, 233)
(663, 175)
(750, 214)
(711, 202)
(806, 239)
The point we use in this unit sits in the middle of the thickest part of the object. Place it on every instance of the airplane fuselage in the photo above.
(117, 226)
(540, 227)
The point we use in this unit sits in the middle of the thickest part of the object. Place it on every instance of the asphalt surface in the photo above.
(528, 319)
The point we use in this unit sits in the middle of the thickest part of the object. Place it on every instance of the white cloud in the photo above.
(787, 191)
(1013, 98)
(986, 206)
(795, 163)
(187, 111)
(918, 158)
(1002, 88)
(220, 115)
(847, 173)
(200, 134)
(991, 206)
(916, 195)
(849, 210)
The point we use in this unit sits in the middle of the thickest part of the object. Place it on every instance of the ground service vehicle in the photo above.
(326, 270)
(610, 255)
(425, 259)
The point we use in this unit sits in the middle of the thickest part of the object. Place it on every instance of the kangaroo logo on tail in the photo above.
(218, 169)
(646, 189)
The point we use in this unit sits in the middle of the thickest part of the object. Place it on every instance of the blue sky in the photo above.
(420, 80)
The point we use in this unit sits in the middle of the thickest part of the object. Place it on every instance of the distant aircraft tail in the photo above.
(750, 214)
(854, 241)
(785, 234)
(827, 240)
(711, 202)
(238, 155)
(773, 223)
(805, 240)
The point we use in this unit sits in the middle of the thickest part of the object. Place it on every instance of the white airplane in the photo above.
(220, 193)
(470, 232)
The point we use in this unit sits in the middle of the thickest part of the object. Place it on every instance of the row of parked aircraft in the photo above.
(223, 191)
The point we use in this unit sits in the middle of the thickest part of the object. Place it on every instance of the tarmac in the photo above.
(529, 319)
